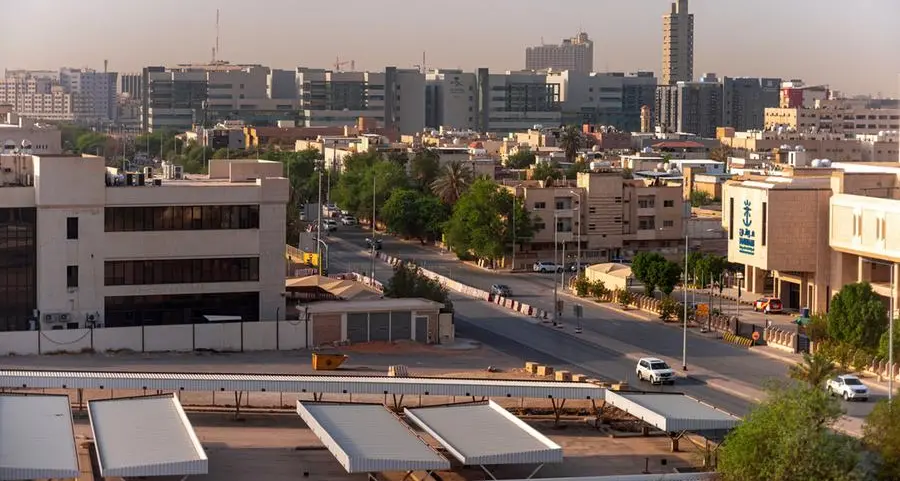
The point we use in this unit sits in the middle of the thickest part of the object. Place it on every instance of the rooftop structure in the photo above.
(37, 440)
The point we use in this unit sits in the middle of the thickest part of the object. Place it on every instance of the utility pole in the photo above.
(319, 227)
(372, 271)
(555, 259)
(684, 334)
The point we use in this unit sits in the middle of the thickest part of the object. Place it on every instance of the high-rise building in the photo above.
(37, 97)
(93, 92)
(690, 107)
(746, 100)
(575, 54)
(513, 101)
(130, 84)
(678, 44)
(450, 99)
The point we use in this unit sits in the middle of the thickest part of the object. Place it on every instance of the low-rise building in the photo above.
(25, 136)
(133, 249)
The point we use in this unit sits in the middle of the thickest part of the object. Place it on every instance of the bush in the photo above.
(624, 297)
(817, 328)
(668, 308)
(582, 286)
(598, 289)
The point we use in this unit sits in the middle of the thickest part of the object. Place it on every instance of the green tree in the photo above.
(576, 168)
(814, 370)
(582, 286)
(625, 298)
(598, 289)
(668, 308)
(452, 182)
(571, 139)
(546, 171)
(788, 438)
(883, 348)
(520, 160)
(409, 281)
(353, 190)
(817, 328)
(711, 267)
(93, 143)
(699, 198)
(481, 222)
(881, 434)
(642, 266)
(424, 168)
(857, 316)
(412, 213)
(665, 275)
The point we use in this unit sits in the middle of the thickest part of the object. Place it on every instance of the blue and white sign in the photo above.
(746, 235)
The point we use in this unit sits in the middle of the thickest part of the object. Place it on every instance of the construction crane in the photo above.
(338, 65)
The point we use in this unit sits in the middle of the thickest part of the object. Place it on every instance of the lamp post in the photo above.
(687, 248)
(319, 225)
(372, 271)
(323, 245)
(891, 315)
(555, 259)
(578, 234)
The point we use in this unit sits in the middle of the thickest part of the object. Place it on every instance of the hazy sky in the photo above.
(851, 45)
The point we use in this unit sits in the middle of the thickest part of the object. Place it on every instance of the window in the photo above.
(592, 226)
(646, 202)
(540, 205)
(181, 271)
(668, 223)
(71, 228)
(765, 213)
(592, 210)
(646, 223)
(178, 217)
(668, 203)
(731, 218)
(71, 276)
(618, 200)
(18, 267)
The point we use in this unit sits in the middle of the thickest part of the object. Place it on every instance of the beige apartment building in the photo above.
(678, 44)
(803, 235)
(611, 217)
(878, 147)
(837, 116)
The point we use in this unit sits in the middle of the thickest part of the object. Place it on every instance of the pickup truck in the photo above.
(848, 387)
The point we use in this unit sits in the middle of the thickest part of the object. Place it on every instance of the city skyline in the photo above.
(722, 47)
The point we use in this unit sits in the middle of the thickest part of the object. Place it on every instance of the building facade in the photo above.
(37, 97)
(22, 135)
(93, 93)
(131, 84)
(119, 250)
(450, 100)
(515, 101)
(575, 54)
(678, 44)
(690, 107)
(746, 100)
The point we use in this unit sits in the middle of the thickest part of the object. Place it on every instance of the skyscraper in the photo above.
(575, 54)
(678, 44)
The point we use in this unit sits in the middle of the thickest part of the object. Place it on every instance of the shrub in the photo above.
(582, 286)
(598, 289)
(668, 308)
(624, 297)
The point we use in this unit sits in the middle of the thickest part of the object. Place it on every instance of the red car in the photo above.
(769, 305)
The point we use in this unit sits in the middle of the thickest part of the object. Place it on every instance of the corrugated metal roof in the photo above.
(368, 438)
(375, 305)
(36, 437)
(145, 436)
(672, 412)
(298, 384)
(641, 477)
(485, 433)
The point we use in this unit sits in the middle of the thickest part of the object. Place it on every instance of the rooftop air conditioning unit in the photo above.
(178, 172)
(51, 318)
(64, 317)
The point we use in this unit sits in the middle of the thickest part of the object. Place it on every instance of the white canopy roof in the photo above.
(36, 437)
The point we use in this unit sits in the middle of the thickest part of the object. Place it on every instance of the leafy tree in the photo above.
(424, 168)
(664, 275)
(571, 139)
(881, 434)
(817, 328)
(481, 222)
(699, 198)
(579, 166)
(409, 281)
(546, 171)
(353, 191)
(721, 153)
(787, 438)
(642, 268)
(625, 298)
(814, 370)
(598, 289)
(857, 316)
(452, 182)
(582, 286)
(520, 160)
(93, 143)
(711, 267)
(668, 308)
(412, 213)
(883, 348)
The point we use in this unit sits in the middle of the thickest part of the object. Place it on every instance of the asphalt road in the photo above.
(721, 374)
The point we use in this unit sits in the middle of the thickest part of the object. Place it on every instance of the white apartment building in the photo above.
(587, 96)
(21, 135)
(576, 54)
(516, 101)
(93, 92)
(85, 246)
(395, 98)
(451, 99)
(37, 97)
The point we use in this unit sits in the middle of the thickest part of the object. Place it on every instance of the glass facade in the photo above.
(126, 311)
(181, 271)
(181, 217)
(18, 267)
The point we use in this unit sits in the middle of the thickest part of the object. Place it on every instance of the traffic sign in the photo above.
(755, 335)
(702, 309)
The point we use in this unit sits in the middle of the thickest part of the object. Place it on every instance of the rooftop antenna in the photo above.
(105, 66)
(216, 49)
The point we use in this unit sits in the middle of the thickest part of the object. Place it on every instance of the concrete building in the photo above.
(395, 98)
(38, 97)
(575, 54)
(638, 91)
(839, 116)
(117, 254)
(515, 101)
(806, 233)
(131, 84)
(614, 218)
(678, 44)
(881, 147)
(93, 94)
(690, 107)
(22, 135)
(746, 99)
(795, 95)
(450, 100)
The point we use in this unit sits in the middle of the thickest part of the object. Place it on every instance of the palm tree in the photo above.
(814, 370)
(452, 182)
(571, 139)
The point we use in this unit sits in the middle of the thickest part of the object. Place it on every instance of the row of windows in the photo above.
(206, 217)
(181, 271)
(126, 311)
(18, 267)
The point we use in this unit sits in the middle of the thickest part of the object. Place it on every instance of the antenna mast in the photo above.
(216, 51)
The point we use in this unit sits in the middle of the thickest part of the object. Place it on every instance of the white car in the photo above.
(329, 225)
(848, 387)
(546, 267)
(348, 220)
(655, 370)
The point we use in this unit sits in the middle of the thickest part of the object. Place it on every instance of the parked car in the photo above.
(501, 290)
(329, 225)
(769, 305)
(848, 387)
(376, 243)
(574, 266)
(544, 267)
(348, 220)
(655, 370)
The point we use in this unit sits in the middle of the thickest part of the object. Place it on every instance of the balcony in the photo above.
(865, 226)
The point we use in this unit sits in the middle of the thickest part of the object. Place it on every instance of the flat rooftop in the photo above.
(37, 440)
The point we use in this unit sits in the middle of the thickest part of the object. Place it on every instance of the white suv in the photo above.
(655, 370)
(546, 267)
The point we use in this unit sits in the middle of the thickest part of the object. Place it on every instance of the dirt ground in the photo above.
(278, 447)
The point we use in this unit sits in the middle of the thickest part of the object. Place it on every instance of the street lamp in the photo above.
(324, 245)
(319, 222)
(578, 233)
(555, 259)
(687, 248)
(372, 272)
(890, 326)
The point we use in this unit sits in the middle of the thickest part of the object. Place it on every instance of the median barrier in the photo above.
(738, 340)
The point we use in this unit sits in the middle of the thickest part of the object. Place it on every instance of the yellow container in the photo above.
(327, 362)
